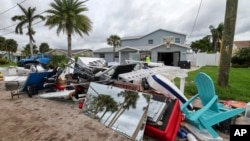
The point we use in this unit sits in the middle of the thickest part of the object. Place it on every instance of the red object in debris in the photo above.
(171, 124)
(59, 87)
(81, 104)
(235, 104)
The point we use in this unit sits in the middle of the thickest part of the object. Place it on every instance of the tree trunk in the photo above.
(113, 53)
(103, 114)
(12, 58)
(227, 43)
(140, 124)
(107, 118)
(215, 45)
(69, 45)
(9, 56)
(117, 114)
(31, 47)
(116, 117)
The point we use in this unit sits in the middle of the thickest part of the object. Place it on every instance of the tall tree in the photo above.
(216, 36)
(202, 45)
(44, 47)
(227, 43)
(129, 101)
(11, 47)
(67, 16)
(114, 41)
(104, 103)
(26, 50)
(27, 18)
(2, 45)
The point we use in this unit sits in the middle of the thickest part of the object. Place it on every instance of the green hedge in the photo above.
(4, 61)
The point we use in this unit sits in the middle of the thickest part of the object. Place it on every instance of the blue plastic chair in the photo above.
(212, 112)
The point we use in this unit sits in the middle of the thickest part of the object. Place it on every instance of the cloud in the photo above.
(129, 18)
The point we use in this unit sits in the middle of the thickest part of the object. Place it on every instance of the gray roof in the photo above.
(149, 48)
(75, 51)
(137, 48)
(102, 50)
(138, 37)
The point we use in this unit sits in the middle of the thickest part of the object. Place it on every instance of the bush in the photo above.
(240, 66)
(58, 61)
(4, 61)
(241, 58)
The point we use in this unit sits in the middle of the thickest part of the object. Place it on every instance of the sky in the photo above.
(128, 18)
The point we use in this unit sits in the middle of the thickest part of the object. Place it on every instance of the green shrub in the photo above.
(240, 66)
(4, 61)
(58, 61)
(241, 58)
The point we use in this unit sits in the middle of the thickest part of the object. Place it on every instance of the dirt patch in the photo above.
(30, 119)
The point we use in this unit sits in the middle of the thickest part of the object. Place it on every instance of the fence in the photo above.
(203, 59)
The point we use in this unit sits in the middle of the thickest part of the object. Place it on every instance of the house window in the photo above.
(134, 56)
(102, 55)
(150, 41)
(116, 55)
(177, 40)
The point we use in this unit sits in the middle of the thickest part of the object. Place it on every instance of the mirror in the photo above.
(122, 110)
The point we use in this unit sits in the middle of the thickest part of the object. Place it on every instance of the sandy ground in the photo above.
(36, 119)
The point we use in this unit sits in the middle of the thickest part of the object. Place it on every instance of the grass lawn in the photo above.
(238, 89)
(10, 64)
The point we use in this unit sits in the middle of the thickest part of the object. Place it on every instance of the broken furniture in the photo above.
(212, 112)
(22, 84)
(50, 81)
(166, 121)
(14, 88)
(168, 71)
(166, 87)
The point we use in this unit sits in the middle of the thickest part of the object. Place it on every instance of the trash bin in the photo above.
(184, 64)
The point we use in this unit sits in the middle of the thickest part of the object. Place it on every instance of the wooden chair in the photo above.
(212, 112)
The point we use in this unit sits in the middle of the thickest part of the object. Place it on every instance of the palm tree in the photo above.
(216, 36)
(11, 46)
(142, 122)
(44, 47)
(130, 100)
(66, 14)
(114, 41)
(26, 50)
(28, 17)
(109, 104)
(99, 104)
(2, 45)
